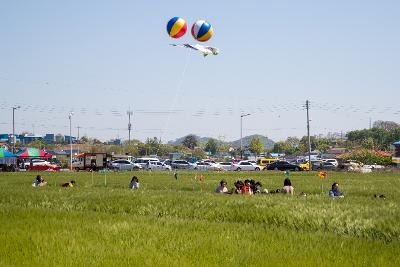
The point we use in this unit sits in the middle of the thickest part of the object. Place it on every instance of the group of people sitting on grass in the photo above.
(250, 187)
(39, 182)
(246, 187)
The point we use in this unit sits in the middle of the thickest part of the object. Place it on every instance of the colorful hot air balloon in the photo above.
(202, 31)
(176, 27)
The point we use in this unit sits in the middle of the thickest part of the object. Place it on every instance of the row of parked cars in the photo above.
(244, 165)
(155, 164)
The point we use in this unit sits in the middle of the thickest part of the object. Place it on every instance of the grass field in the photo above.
(170, 222)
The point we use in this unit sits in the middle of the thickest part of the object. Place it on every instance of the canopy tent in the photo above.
(6, 157)
(31, 153)
(6, 154)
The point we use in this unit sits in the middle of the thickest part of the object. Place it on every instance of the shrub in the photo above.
(368, 156)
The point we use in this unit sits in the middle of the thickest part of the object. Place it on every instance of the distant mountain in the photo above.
(268, 143)
(179, 140)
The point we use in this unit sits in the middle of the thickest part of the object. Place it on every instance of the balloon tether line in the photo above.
(175, 99)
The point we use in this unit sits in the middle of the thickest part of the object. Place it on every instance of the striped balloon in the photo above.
(202, 30)
(176, 27)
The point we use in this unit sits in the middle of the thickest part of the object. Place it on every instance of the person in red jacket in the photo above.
(246, 189)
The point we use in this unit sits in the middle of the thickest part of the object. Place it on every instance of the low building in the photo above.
(4, 138)
(333, 153)
(116, 141)
(50, 138)
(68, 139)
(29, 138)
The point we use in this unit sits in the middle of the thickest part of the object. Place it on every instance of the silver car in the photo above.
(124, 165)
(245, 165)
(157, 165)
(227, 166)
(202, 165)
(181, 164)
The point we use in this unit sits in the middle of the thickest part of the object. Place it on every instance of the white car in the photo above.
(245, 165)
(374, 166)
(333, 161)
(157, 165)
(202, 165)
(36, 162)
(144, 162)
(208, 160)
(227, 166)
(124, 165)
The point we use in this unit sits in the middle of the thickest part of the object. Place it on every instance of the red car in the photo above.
(45, 167)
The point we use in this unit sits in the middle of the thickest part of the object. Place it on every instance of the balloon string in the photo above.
(175, 99)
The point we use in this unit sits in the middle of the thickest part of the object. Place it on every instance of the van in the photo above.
(265, 161)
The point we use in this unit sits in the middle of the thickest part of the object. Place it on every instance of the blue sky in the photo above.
(100, 58)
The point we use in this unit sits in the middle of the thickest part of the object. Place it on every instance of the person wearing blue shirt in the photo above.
(335, 192)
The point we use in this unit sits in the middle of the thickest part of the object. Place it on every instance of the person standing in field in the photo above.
(287, 187)
(222, 187)
(335, 192)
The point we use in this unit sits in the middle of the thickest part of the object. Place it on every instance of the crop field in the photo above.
(182, 222)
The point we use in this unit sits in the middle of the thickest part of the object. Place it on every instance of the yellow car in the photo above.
(265, 162)
(306, 166)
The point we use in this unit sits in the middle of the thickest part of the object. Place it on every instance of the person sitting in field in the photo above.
(237, 189)
(287, 187)
(69, 184)
(335, 192)
(222, 187)
(255, 187)
(246, 189)
(39, 181)
(134, 184)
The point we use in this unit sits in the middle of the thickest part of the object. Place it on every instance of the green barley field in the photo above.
(169, 222)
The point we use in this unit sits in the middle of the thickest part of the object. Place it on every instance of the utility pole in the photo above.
(241, 133)
(130, 113)
(78, 127)
(308, 135)
(70, 137)
(13, 136)
(77, 139)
